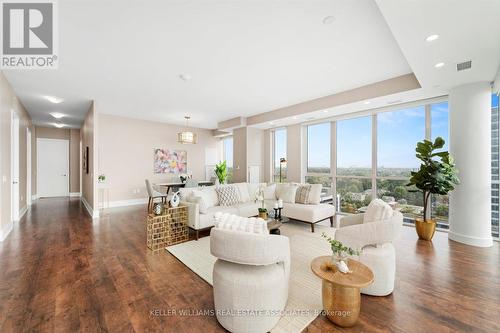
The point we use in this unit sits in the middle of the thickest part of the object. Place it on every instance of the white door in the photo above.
(15, 166)
(53, 167)
(28, 167)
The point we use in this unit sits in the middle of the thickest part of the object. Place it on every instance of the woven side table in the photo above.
(167, 229)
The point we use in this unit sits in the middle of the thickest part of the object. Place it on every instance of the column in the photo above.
(470, 145)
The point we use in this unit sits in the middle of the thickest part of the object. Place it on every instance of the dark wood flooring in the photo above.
(61, 272)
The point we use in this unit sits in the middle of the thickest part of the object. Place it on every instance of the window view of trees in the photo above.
(227, 149)
(279, 139)
(355, 194)
(318, 148)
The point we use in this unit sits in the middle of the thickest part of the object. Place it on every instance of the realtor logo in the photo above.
(28, 35)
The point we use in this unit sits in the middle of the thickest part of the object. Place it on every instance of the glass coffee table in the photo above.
(274, 225)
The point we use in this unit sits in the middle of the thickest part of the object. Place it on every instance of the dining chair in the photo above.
(154, 194)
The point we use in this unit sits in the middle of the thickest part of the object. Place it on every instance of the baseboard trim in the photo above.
(94, 214)
(75, 194)
(5, 231)
(130, 202)
(471, 240)
(22, 211)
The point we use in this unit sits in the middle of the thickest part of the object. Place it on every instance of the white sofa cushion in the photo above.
(270, 192)
(239, 223)
(248, 209)
(228, 195)
(308, 213)
(378, 210)
(213, 199)
(286, 192)
(243, 190)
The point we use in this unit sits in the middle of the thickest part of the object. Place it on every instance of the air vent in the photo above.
(464, 65)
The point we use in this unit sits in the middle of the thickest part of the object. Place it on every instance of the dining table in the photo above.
(174, 185)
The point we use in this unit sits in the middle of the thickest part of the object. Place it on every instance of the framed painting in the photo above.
(170, 161)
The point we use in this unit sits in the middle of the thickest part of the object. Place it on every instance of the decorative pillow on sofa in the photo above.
(243, 191)
(228, 195)
(378, 210)
(237, 223)
(270, 192)
(286, 192)
(315, 194)
(302, 194)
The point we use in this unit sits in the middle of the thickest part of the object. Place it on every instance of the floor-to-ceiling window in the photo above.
(318, 156)
(354, 163)
(227, 149)
(373, 156)
(279, 155)
(495, 174)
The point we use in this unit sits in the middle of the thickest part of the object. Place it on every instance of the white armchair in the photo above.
(250, 279)
(375, 238)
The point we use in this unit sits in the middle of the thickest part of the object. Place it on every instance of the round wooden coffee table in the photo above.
(341, 292)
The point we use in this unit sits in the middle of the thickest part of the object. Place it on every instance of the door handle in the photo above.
(15, 182)
(63, 175)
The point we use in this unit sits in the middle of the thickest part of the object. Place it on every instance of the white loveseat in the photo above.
(201, 214)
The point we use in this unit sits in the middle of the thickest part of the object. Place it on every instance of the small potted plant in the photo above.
(437, 175)
(221, 172)
(259, 196)
(101, 178)
(340, 253)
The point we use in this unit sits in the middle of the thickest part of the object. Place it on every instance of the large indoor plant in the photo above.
(437, 175)
(221, 172)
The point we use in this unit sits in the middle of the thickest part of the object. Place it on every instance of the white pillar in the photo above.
(470, 145)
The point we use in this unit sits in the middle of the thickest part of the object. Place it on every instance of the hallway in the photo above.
(59, 271)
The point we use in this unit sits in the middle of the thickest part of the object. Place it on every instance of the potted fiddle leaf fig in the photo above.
(437, 175)
(221, 172)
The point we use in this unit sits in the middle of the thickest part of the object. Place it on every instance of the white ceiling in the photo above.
(244, 57)
(253, 56)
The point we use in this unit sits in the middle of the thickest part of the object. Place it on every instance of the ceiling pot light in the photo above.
(57, 115)
(439, 65)
(329, 20)
(325, 111)
(366, 102)
(59, 125)
(186, 136)
(53, 99)
(432, 38)
(185, 77)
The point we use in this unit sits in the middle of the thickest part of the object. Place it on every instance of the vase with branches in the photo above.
(437, 175)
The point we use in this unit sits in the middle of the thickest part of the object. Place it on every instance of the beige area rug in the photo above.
(304, 296)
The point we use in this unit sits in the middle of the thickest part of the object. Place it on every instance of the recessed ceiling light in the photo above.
(397, 101)
(366, 102)
(271, 123)
(295, 117)
(329, 20)
(185, 77)
(59, 125)
(439, 65)
(57, 115)
(325, 111)
(53, 99)
(432, 38)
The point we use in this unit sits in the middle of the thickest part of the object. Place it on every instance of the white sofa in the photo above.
(375, 239)
(251, 274)
(203, 219)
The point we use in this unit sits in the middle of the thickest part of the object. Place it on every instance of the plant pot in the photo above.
(425, 230)
(263, 215)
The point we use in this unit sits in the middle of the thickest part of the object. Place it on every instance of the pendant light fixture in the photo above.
(186, 136)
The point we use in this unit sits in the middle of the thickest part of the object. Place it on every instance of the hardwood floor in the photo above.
(59, 271)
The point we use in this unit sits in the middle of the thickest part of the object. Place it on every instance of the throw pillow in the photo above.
(207, 200)
(243, 190)
(315, 194)
(237, 223)
(286, 192)
(302, 194)
(228, 195)
(212, 197)
(202, 206)
(378, 210)
(253, 189)
(270, 192)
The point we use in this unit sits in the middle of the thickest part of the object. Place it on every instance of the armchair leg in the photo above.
(197, 234)
(312, 227)
(331, 221)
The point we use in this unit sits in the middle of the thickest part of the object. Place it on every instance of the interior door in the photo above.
(15, 167)
(53, 167)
